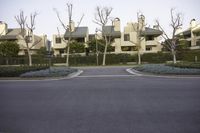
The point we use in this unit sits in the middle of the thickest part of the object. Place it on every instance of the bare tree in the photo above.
(176, 23)
(139, 28)
(68, 27)
(26, 32)
(102, 17)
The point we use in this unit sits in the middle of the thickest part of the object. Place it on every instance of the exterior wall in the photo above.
(194, 38)
(3, 28)
(40, 40)
(61, 46)
(119, 43)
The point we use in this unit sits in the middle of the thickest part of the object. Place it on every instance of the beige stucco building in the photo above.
(79, 34)
(121, 41)
(125, 41)
(13, 34)
(191, 34)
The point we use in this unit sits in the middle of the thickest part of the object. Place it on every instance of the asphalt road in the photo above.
(97, 103)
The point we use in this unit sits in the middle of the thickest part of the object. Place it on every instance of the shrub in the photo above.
(185, 65)
(52, 72)
(163, 69)
(156, 57)
(189, 55)
(15, 71)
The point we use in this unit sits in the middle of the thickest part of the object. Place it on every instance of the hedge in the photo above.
(16, 71)
(185, 64)
(111, 59)
(163, 69)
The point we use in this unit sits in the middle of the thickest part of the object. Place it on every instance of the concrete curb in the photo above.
(70, 76)
(135, 72)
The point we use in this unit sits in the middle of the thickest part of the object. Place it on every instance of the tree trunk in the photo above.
(29, 56)
(105, 51)
(68, 49)
(174, 56)
(139, 58)
(7, 62)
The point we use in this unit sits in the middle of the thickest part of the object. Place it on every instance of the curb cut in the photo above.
(133, 72)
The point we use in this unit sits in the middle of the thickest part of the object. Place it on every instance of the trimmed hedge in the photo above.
(91, 60)
(156, 57)
(111, 59)
(189, 55)
(163, 69)
(186, 65)
(51, 72)
(16, 71)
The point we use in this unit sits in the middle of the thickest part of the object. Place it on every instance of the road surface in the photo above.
(101, 100)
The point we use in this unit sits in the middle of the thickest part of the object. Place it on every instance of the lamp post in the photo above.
(49, 54)
(97, 52)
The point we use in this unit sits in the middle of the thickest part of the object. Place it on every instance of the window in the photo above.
(148, 48)
(61, 51)
(127, 48)
(58, 40)
(80, 40)
(126, 37)
(149, 38)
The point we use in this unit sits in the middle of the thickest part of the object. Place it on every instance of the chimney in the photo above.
(72, 26)
(141, 21)
(156, 27)
(3, 28)
(193, 23)
(116, 24)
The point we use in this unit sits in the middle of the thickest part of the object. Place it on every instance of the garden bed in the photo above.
(164, 69)
(51, 72)
(16, 71)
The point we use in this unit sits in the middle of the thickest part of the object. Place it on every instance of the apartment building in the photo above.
(124, 42)
(13, 34)
(191, 35)
(79, 34)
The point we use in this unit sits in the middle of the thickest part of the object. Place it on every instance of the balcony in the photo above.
(152, 43)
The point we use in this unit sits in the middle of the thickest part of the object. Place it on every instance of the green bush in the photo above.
(185, 65)
(163, 69)
(15, 71)
(156, 57)
(189, 55)
(111, 59)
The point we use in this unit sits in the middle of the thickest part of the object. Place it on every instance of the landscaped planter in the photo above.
(163, 69)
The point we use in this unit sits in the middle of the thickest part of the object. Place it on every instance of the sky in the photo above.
(126, 10)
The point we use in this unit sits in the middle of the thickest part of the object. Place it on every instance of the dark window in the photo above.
(127, 48)
(197, 34)
(80, 39)
(148, 48)
(149, 38)
(61, 51)
(126, 37)
(58, 40)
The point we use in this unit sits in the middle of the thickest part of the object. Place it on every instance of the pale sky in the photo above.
(126, 10)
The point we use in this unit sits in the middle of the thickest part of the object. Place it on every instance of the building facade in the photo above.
(79, 34)
(191, 35)
(125, 42)
(13, 34)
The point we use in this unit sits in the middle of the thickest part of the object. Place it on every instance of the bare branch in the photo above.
(102, 15)
(58, 16)
(35, 43)
(80, 21)
(21, 20)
